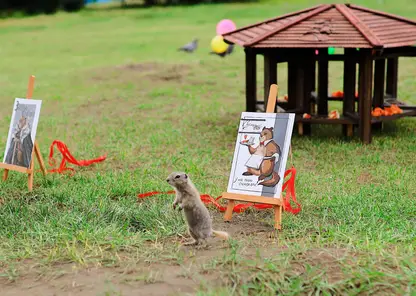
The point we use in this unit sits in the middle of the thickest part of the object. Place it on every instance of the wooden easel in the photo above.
(30, 171)
(276, 202)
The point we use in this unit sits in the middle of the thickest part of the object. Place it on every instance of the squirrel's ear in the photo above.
(271, 128)
(186, 176)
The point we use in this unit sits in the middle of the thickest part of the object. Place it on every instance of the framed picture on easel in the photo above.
(21, 146)
(260, 155)
(22, 132)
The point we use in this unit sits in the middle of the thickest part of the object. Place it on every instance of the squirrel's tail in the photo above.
(221, 234)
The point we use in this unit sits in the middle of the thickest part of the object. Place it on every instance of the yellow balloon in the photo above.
(218, 45)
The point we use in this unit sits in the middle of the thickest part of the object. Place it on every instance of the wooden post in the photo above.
(357, 69)
(323, 82)
(292, 84)
(300, 84)
(379, 76)
(365, 92)
(251, 80)
(313, 77)
(348, 102)
(313, 70)
(300, 91)
(392, 76)
(309, 65)
(270, 74)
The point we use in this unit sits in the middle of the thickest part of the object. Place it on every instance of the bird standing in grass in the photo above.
(190, 47)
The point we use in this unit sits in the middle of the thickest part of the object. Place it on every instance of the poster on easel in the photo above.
(22, 132)
(260, 154)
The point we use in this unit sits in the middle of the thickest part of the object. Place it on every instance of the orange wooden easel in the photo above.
(276, 202)
(29, 171)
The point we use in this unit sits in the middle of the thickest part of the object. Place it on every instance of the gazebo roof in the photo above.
(328, 25)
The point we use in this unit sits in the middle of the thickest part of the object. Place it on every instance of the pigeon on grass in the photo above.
(190, 47)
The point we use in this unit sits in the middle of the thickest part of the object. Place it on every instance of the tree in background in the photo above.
(41, 6)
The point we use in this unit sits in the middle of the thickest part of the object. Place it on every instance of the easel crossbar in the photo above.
(16, 168)
(252, 198)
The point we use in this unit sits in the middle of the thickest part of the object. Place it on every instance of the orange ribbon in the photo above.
(67, 157)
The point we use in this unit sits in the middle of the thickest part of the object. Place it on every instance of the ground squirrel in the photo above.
(196, 214)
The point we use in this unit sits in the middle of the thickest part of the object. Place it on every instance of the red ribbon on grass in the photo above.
(67, 157)
(289, 186)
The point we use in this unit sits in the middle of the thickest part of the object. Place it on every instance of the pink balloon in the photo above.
(225, 26)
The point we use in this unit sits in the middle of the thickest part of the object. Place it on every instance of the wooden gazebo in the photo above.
(371, 39)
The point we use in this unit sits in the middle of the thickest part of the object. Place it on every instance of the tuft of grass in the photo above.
(302, 271)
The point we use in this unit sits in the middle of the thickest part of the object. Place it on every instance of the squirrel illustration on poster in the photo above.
(263, 159)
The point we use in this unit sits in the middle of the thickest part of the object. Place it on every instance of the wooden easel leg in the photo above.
(5, 174)
(32, 171)
(229, 211)
(277, 217)
(40, 159)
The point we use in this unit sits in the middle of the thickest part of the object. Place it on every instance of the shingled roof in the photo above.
(328, 25)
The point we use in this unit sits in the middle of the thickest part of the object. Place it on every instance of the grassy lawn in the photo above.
(112, 81)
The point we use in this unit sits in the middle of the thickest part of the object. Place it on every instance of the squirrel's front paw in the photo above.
(174, 206)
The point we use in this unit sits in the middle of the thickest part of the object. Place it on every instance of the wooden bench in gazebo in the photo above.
(372, 39)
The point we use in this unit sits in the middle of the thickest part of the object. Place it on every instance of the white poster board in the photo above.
(260, 155)
(22, 132)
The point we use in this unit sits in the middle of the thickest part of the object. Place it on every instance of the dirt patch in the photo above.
(98, 74)
(117, 103)
(175, 73)
(365, 178)
(139, 278)
(310, 165)
(158, 276)
(142, 67)
(154, 72)
(327, 260)
(127, 280)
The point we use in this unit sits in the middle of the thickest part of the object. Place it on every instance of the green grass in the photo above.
(112, 82)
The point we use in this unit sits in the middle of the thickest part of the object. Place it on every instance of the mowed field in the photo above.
(112, 82)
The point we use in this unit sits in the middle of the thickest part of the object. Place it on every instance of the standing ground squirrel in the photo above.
(196, 214)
